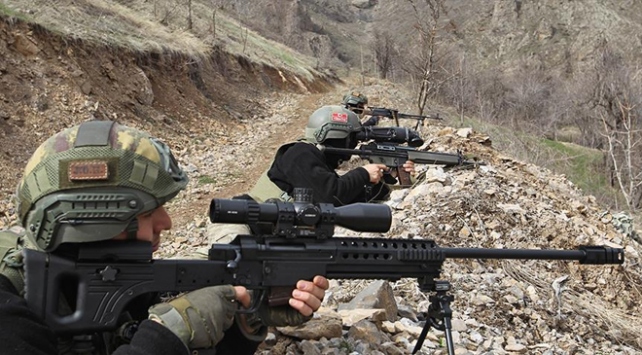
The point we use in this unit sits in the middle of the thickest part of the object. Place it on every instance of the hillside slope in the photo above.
(224, 124)
(500, 306)
(50, 82)
(506, 34)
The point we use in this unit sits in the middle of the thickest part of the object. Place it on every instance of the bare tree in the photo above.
(216, 6)
(190, 23)
(462, 88)
(384, 47)
(425, 64)
(213, 26)
(315, 46)
(165, 10)
(527, 99)
(617, 105)
(427, 30)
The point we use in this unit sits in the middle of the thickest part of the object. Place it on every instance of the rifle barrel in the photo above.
(405, 153)
(585, 255)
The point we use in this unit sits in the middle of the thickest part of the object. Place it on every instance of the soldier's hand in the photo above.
(409, 167)
(200, 317)
(305, 300)
(375, 171)
(307, 296)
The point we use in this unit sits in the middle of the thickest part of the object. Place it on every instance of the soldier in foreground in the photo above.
(103, 181)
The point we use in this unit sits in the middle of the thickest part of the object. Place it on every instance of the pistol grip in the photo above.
(404, 177)
(279, 295)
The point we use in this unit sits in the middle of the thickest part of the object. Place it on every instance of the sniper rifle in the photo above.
(106, 276)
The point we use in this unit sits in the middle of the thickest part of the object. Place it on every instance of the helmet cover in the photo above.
(355, 98)
(331, 122)
(90, 182)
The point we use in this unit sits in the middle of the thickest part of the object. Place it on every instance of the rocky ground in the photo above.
(534, 307)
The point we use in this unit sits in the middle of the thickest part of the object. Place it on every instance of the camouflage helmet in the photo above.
(90, 182)
(331, 122)
(355, 98)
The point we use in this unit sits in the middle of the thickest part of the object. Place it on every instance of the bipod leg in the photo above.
(439, 316)
(422, 336)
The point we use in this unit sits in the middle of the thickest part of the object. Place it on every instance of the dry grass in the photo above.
(158, 26)
(108, 23)
(622, 326)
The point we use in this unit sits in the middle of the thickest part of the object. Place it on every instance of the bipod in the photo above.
(439, 316)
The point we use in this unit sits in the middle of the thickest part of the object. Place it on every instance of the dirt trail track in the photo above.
(227, 165)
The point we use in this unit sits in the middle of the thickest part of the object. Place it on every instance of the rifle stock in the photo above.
(105, 287)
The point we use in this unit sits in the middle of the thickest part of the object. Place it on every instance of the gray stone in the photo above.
(322, 326)
(309, 347)
(377, 295)
(368, 332)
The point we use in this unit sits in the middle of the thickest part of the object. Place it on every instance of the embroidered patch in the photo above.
(339, 117)
(88, 170)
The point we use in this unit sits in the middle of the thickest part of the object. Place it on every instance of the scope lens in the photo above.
(364, 217)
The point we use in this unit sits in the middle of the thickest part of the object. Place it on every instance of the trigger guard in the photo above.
(255, 305)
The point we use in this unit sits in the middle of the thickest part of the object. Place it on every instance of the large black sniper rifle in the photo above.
(106, 276)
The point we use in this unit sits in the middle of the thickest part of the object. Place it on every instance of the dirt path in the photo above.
(228, 165)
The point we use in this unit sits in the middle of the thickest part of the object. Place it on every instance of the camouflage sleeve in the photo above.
(11, 264)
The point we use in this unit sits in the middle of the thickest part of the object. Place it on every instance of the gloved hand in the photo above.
(305, 300)
(200, 317)
(254, 325)
(280, 316)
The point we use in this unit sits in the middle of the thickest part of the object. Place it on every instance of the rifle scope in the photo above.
(390, 134)
(301, 217)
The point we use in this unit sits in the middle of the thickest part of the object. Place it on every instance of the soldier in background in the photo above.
(356, 102)
(304, 164)
(72, 192)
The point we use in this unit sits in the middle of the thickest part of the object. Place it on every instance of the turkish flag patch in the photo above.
(339, 117)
